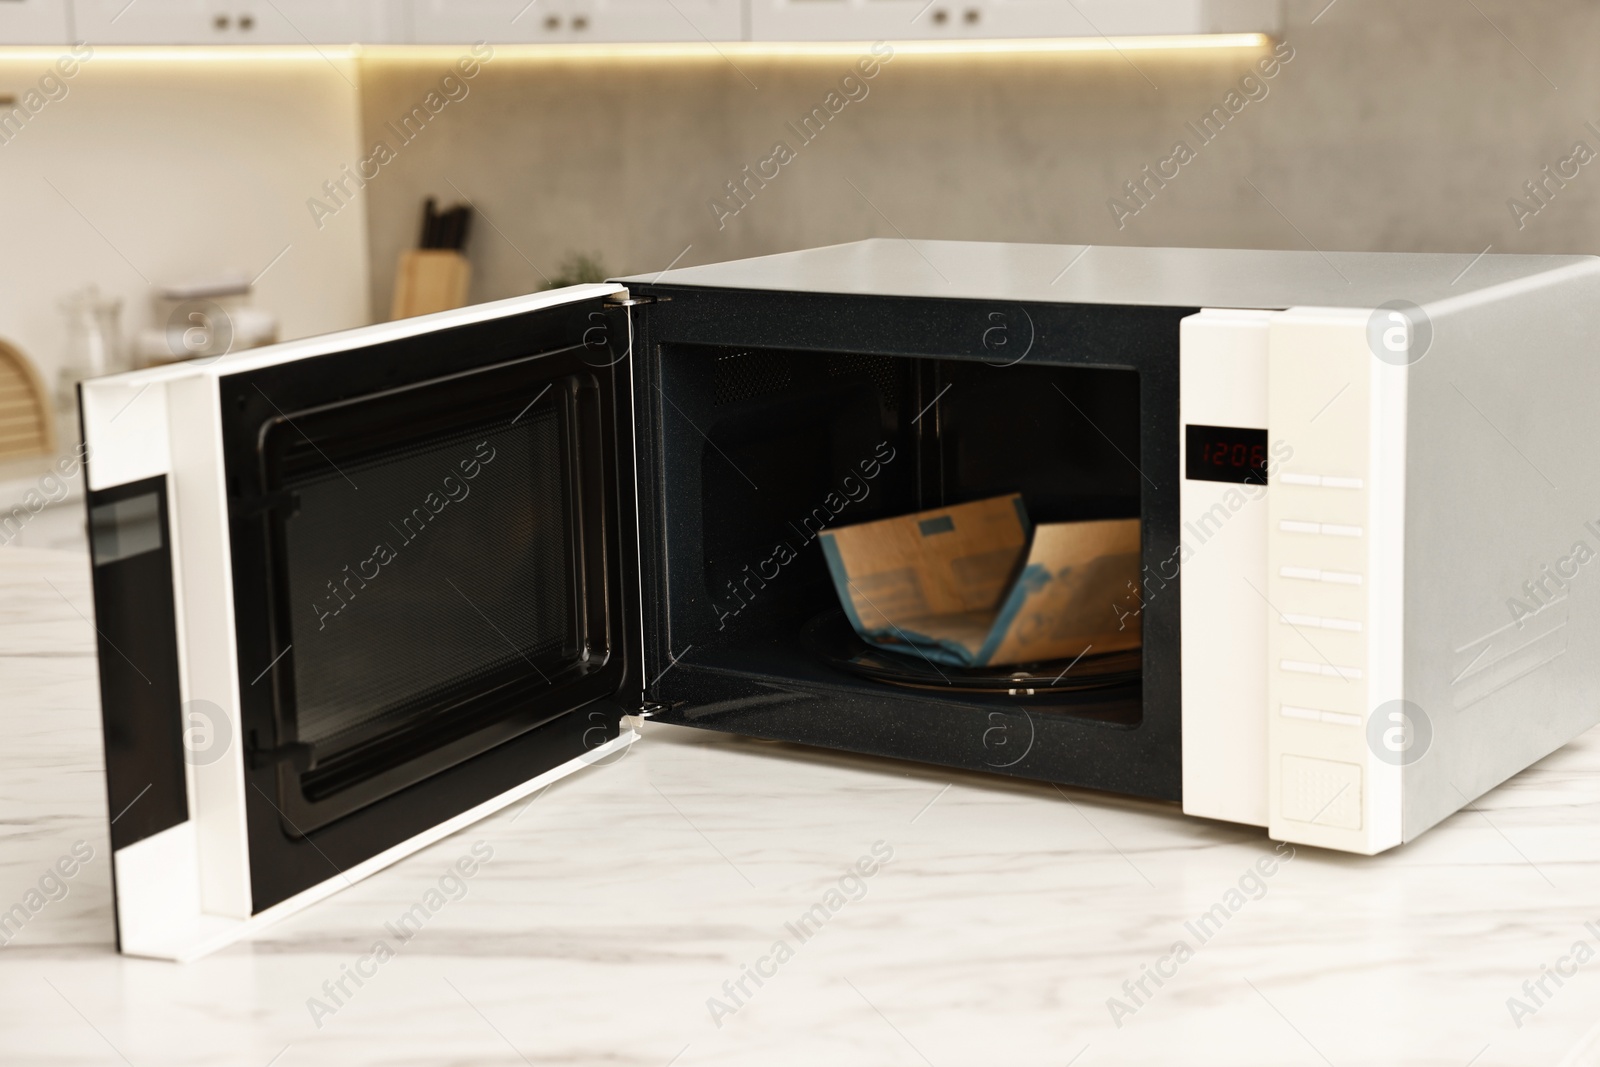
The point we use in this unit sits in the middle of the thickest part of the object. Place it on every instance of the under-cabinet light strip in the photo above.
(697, 49)
(645, 49)
(194, 53)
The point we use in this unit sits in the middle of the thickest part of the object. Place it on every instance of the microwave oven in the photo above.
(356, 591)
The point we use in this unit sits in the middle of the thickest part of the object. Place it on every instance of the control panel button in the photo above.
(1327, 529)
(1321, 622)
(1332, 718)
(1321, 792)
(1316, 574)
(1320, 481)
(1326, 670)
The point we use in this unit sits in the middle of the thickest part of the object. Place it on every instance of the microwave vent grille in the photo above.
(884, 372)
(743, 376)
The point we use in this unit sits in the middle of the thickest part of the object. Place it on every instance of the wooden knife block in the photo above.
(430, 279)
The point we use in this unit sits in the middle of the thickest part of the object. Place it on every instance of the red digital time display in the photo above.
(1226, 454)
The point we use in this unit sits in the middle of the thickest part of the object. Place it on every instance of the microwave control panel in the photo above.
(1333, 584)
(1290, 540)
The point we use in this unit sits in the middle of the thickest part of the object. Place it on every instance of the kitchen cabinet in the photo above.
(34, 22)
(897, 20)
(534, 21)
(459, 22)
(235, 22)
(852, 20)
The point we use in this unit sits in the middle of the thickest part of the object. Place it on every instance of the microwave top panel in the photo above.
(1122, 275)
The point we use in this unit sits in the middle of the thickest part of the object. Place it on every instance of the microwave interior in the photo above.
(885, 410)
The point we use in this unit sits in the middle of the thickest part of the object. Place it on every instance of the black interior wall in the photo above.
(1086, 425)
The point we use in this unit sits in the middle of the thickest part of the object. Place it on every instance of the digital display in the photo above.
(1226, 454)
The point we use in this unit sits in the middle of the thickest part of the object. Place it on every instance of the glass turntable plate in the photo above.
(831, 637)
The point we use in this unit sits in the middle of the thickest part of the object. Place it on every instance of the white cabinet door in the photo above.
(225, 22)
(318, 21)
(892, 20)
(1086, 18)
(149, 22)
(1116, 18)
(33, 22)
(903, 20)
(658, 20)
(851, 20)
(537, 21)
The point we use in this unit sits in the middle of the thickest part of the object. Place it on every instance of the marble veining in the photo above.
(618, 911)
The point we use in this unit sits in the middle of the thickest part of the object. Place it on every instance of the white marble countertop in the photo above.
(617, 904)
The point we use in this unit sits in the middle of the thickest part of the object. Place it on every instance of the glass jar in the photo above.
(94, 341)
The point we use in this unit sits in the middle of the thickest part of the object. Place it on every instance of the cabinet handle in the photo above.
(248, 22)
(221, 22)
(552, 22)
(971, 16)
(940, 16)
(580, 22)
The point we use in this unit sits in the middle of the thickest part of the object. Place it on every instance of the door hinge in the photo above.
(623, 300)
(647, 710)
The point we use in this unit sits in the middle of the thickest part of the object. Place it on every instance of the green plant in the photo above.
(578, 268)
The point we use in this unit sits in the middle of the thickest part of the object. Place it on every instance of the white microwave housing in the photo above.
(1399, 620)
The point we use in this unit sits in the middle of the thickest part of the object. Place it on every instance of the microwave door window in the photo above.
(438, 580)
(425, 574)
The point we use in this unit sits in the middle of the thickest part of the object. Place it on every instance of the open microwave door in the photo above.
(353, 593)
